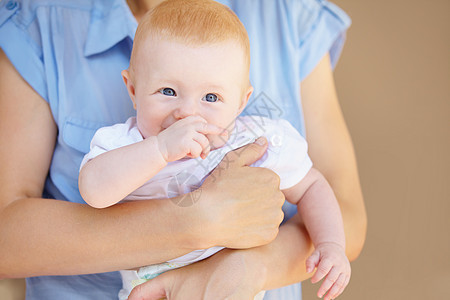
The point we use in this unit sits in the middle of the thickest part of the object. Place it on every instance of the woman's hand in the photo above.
(240, 206)
(229, 274)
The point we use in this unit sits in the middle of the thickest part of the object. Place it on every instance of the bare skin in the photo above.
(140, 7)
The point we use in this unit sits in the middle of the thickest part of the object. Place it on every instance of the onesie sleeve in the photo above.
(20, 41)
(287, 154)
(112, 137)
(321, 29)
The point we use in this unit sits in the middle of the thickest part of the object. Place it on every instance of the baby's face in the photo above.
(174, 81)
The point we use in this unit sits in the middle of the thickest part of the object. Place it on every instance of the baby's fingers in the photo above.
(204, 144)
(323, 269)
(208, 128)
(312, 261)
(205, 152)
(330, 281)
(347, 279)
(338, 287)
(195, 149)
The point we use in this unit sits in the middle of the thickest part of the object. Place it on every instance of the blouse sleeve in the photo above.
(321, 29)
(20, 40)
(112, 137)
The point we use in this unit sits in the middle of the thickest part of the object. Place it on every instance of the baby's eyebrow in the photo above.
(161, 80)
(214, 88)
(214, 85)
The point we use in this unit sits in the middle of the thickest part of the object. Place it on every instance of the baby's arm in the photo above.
(113, 175)
(320, 212)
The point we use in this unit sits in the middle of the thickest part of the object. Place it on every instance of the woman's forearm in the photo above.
(283, 260)
(331, 149)
(237, 274)
(51, 237)
(355, 223)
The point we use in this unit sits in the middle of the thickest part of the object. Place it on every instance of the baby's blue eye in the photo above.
(168, 92)
(210, 97)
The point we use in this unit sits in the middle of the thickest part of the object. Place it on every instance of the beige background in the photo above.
(393, 81)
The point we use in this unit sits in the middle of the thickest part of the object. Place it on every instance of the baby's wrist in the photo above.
(157, 148)
(162, 149)
(332, 244)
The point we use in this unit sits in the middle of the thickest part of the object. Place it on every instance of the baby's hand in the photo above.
(331, 261)
(187, 137)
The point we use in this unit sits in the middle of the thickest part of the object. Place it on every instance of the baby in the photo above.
(189, 80)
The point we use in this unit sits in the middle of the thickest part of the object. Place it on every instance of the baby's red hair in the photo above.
(192, 22)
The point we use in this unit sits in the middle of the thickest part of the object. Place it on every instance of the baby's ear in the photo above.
(245, 98)
(126, 76)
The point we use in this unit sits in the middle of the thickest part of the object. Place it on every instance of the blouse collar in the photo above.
(111, 22)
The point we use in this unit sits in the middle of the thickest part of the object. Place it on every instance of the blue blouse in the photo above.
(72, 52)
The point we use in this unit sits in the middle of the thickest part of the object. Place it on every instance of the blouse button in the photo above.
(11, 5)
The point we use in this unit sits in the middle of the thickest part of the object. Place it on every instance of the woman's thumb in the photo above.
(248, 154)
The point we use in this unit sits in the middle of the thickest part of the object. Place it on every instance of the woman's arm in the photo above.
(237, 274)
(49, 237)
(331, 150)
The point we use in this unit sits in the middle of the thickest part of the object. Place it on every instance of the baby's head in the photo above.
(189, 57)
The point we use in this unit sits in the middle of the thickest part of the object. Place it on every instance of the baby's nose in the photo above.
(186, 109)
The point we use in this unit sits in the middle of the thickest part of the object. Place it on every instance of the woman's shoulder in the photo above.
(25, 12)
(286, 7)
(27, 7)
(28, 16)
